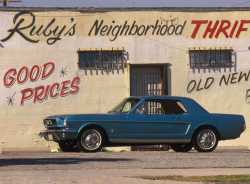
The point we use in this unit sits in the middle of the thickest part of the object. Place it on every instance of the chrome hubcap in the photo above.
(91, 140)
(206, 139)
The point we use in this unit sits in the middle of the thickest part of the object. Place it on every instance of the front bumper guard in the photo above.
(56, 135)
(50, 135)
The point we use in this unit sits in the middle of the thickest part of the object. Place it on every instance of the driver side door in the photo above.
(159, 121)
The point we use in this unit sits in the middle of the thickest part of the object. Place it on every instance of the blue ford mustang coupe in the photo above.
(177, 121)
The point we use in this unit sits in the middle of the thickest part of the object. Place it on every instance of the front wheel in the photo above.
(205, 140)
(182, 147)
(91, 140)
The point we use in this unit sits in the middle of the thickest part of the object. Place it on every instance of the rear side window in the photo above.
(182, 107)
(152, 107)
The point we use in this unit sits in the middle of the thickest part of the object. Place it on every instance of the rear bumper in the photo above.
(58, 135)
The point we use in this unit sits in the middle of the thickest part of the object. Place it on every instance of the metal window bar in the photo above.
(102, 60)
(211, 59)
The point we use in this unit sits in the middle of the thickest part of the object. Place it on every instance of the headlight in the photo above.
(49, 122)
(59, 122)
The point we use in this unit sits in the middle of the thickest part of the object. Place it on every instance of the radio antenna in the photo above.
(5, 2)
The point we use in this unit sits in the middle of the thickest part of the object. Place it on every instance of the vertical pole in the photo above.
(4, 3)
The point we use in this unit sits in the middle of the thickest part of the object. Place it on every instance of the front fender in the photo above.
(89, 125)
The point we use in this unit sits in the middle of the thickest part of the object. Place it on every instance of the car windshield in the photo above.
(125, 106)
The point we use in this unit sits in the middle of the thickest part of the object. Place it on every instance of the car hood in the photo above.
(85, 116)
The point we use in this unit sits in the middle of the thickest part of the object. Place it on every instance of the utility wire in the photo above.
(241, 3)
(133, 3)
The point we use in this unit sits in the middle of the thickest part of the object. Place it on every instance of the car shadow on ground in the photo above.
(56, 161)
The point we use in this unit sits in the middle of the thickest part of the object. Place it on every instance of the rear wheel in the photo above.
(182, 147)
(206, 140)
(91, 140)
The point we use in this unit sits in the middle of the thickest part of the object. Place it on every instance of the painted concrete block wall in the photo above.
(50, 41)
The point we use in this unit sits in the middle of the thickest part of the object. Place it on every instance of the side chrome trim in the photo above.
(189, 126)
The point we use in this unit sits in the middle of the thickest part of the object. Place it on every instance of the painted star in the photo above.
(11, 99)
(1, 45)
(63, 71)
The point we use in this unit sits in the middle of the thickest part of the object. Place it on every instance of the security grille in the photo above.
(102, 59)
(147, 81)
(209, 59)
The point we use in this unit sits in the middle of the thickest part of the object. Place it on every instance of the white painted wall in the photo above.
(100, 92)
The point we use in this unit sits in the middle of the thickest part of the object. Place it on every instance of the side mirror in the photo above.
(140, 111)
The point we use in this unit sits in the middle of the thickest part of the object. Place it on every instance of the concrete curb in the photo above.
(117, 149)
(24, 150)
(108, 149)
(233, 148)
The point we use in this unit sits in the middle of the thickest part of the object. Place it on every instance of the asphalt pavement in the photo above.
(124, 167)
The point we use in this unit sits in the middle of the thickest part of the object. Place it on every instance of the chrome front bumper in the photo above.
(58, 135)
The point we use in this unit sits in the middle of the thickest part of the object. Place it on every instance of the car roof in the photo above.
(189, 103)
(164, 97)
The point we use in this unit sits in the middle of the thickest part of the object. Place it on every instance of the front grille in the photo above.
(49, 123)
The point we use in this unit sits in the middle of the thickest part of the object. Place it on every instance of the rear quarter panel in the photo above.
(229, 126)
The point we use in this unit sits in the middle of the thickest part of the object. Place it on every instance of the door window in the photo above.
(153, 107)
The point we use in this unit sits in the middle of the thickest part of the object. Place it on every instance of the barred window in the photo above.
(102, 59)
(206, 59)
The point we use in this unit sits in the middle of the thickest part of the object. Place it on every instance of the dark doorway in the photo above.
(150, 80)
